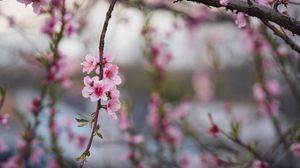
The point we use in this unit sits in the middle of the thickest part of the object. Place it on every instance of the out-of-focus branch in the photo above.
(156, 6)
(2, 96)
(283, 36)
(259, 11)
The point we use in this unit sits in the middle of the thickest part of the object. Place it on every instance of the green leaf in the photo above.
(80, 120)
(235, 130)
(99, 135)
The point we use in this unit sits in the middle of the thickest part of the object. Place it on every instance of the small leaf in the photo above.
(99, 135)
(81, 120)
(82, 125)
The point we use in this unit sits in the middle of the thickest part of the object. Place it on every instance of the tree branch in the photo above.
(259, 11)
(283, 36)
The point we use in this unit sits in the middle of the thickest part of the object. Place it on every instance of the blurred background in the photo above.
(210, 66)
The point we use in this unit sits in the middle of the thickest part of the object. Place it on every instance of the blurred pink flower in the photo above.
(49, 26)
(3, 146)
(35, 105)
(4, 120)
(71, 28)
(36, 156)
(214, 130)
(203, 86)
(264, 2)
(184, 161)
(36, 4)
(181, 111)
(241, 20)
(224, 2)
(269, 107)
(260, 164)
(295, 148)
(258, 93)
(12, 162)
(89, 64)
(112, 107)
(273, 87)
(209, 160)
(52, 163)
(124, 121)
(134, 139)
(173, 135)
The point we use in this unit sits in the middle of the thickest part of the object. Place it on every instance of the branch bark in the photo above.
(259, 11)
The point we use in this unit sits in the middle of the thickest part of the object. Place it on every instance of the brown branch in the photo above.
(101, 63)
(259, 11)
(283, 36)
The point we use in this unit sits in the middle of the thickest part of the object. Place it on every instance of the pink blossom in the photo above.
(35, 105)
(71, 28)
(264, 2)
(87, 91)
(269, 107)
(99, 90)
(181, 111)
(260, 164)
(114, 93)
(36, 4)
(134, 139)
(173, 135)
(132, 155)
(258, 92)
(12, 162)
(108, 58)
(203, 86)
(295, 148)
(52, 163)
(89, 64)
(184, 161)
(160, 57)
(153, 116)
(3, 147)
(273, 87)
(282, 51)
(49, 26)
(209, 160)
(112, 107)
(111, 74)
(214, 130)
(21, 144)
(224, 2)
(124, 121)
(4, 120)
(57, 3)
(81, 140)
(241, 20)
(36, 156)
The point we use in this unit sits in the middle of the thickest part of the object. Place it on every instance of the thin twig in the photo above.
(257, 10)
(283, 36)
(101, 63)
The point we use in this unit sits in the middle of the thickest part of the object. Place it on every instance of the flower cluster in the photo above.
(224, 2)
(295, 148)
(260, 164)
(265, 97)
(37, 5)
(58, 70)
(104, 89)
(160, 119)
